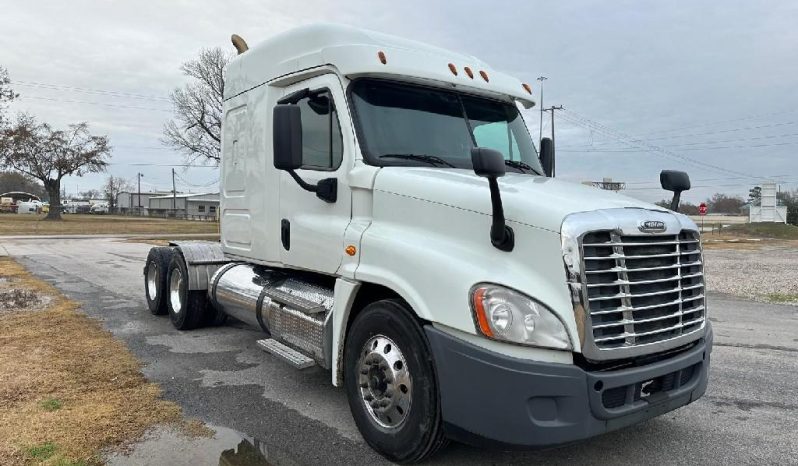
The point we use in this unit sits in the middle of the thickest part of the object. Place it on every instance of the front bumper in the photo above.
(495, 400)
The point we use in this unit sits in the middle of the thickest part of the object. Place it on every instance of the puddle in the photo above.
(162, 445)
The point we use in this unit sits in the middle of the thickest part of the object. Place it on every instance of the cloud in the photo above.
(639, 69)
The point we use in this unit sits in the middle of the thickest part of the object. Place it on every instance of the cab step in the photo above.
(286, 353)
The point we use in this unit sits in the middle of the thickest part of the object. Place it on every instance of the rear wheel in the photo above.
(155, 272)
(390, 383)
(186, 307)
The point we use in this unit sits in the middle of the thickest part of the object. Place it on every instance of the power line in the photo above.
(205, 185)
(713, 123)
(86, 90)
(771, 136)
(581, 120)
(53, 99)
(753, 146)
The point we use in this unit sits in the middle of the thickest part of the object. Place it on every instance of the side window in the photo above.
(200, 208)
(497, 136)
(322, 143)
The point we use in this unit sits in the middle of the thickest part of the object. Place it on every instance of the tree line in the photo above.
(721, 203)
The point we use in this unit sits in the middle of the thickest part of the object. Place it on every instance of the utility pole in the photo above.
(139, 194)
(552, 109)
(174, 194)
(541, 79)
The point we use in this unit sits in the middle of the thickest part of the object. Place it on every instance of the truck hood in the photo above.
(532, 200)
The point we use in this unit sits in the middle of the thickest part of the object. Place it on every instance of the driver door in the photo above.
(311, 229)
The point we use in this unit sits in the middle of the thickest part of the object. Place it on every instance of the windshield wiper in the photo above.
(517, 164)
(430, 159)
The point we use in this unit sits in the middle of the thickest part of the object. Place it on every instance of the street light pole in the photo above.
(541, 79)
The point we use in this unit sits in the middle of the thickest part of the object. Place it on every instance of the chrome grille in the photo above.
(641, 289)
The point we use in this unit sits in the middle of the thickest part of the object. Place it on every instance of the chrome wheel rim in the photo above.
(175, 287)
(386, 386)
(152, 281)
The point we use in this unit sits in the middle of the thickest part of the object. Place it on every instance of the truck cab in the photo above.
(386, 215)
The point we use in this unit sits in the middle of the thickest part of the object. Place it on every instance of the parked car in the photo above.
(99, 209)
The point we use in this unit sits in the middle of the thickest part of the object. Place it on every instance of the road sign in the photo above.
(702, 209)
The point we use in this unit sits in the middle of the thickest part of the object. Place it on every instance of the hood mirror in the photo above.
(489, 163)
(675, 181)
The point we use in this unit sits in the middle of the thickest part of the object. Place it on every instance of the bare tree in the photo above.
(196, 129)
(113, 186)
(725, 204)
(37, 150)
(90, 194)
(6, 93)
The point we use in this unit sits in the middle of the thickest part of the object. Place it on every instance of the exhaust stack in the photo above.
(239, 43)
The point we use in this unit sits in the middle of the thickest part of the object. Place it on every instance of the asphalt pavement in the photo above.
(749, 414)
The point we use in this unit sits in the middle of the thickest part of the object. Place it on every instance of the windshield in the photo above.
(404, 124)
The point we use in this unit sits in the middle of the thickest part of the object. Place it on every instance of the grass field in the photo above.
(763, 230)
(75, 224)
(69, 390)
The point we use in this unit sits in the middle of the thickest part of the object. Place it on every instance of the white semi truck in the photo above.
(385, 215)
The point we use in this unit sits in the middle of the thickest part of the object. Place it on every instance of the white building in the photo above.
(768, 209)
(130, 202)
(191, 206)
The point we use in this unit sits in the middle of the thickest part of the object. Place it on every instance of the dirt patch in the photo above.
(70, 390)
(15, 299)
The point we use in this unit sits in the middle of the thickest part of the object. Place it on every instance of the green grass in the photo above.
(763, 230)
(782, 297)
(50, 404)
(41, 452)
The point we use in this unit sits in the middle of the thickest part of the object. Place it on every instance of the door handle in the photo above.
(285, 234)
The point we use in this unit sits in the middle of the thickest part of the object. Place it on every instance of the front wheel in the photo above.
(390, 383)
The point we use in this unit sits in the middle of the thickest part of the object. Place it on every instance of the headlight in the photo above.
(505, 314)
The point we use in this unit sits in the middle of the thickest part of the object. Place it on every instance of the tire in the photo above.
(405, 426)
(187, 308)
(155, 272)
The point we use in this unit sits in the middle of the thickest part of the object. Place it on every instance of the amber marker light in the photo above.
(484, 76)
(469, 72)
(479, 310)
(381, 56)
(527, 88)
(351, 250)
(453, 69)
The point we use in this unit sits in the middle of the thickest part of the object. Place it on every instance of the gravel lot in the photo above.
(755, 273)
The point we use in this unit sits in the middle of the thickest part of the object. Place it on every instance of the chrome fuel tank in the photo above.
(292, 308)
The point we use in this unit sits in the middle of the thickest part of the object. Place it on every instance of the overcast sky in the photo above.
(708, 87)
